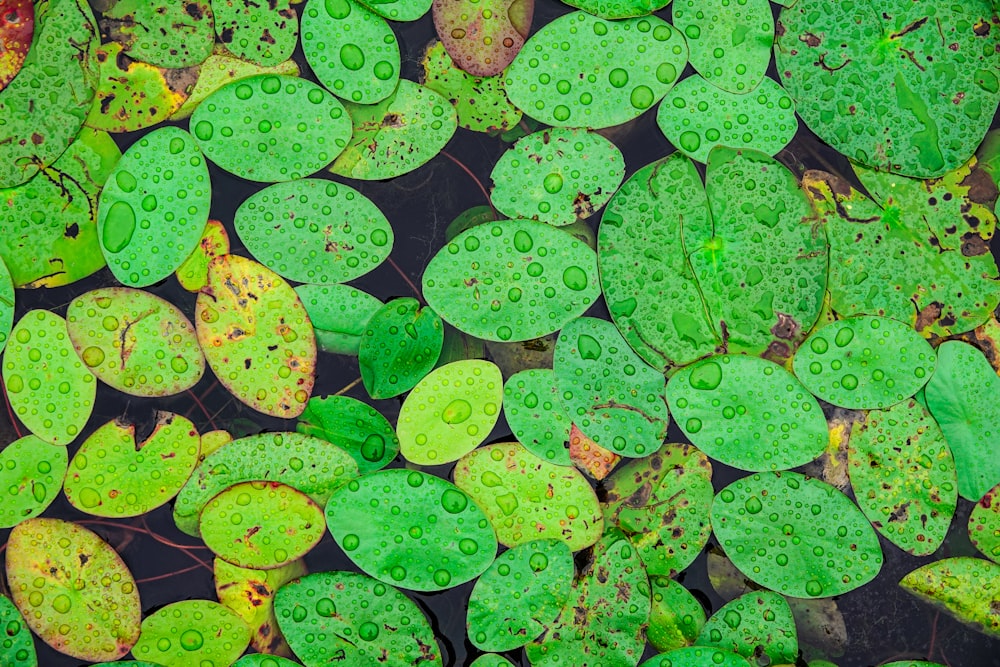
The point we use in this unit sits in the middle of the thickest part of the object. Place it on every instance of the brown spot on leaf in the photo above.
(928, 315)
(974, 245)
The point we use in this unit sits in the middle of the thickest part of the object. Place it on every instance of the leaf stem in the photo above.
(473, 177)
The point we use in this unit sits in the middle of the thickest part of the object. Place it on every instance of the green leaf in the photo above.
(192, 274)
(697, 656)
(31, 473)
(676, 616)
(339, 315)
(965, 588)
(354, 426)
(753, 625)
(262, 33)
(250, 593)
(18, 647)
(192, 630)
(536, 416)
(398, 10)
(400, 345)
(984, 524)
(619, 9)
(162, 32)
(491, 660)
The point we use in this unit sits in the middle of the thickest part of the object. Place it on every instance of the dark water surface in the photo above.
(883, 622)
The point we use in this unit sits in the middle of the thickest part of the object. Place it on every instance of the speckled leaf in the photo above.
(339, 315)
(400, 345)
(483, 37)
(446, 538)
(984, 524)
(256, 336)
(31, 475)
(311, 465)
(910, 88)
(511, 280)
(697, 656)
(762, 263)
(519, 595)
(17, 26)
(192, 274)
(964, 588)
(314, 231)
(154, 206)
(261, 33)
(754, 625)
(364, 621)
(396, 135)
(53, 396)
(696, 116)
(675, 617)
(589, 457)
(662, 503)
(294, 127)
(563, 77)
(354, 426)
(611, 394)
(903, 476)
(528, 499)
(557, 176)
(73, 589)
(864, 362)
(602, 622)
(192, 632)
(730, 42)
(351, 49)
(165, 33)
(836, 549)
(114, 475)
(48, 232)
(536, 416)
(18, 646)
(960, 396)
(44, 106)
(644, 264)
(250, 593)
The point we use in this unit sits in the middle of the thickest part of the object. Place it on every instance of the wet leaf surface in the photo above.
(250, 593)
(354, 426)
(483, 37)
(191, 630)
(754, 625)
(965, 588)
(400, 345)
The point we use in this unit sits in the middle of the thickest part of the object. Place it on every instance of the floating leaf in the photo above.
(696, 116)
(258, 660)
(192, 274)
(511, 280)
(363, 621)
(154, 206)
(984, 524)
(903, 476)
(54, 395)
(353, 426)
(675, 617)
(73, 589)
(192, 632)
(483, 37)
(296, 127)
(446, 538)
(754, 625)
(909, 88)
(563, 77)
(313, 466)
(769, 420)
(250, 593)
(697, 656)
(264, 34)
(589, 457)
(536, 416)
(662, 503)
(519, 595)
(491, 660)
(339, 315)
(450, 412)
(314, 231)
(828, 551)
(399, 10)
(17, 25)
(397, 134)
(865, 362)
(400, 345)
(529, 499)
(959, 395)
(479, 101)
(965, 588)
(256, 336)
(261, 525)
(351, 50)
(112, 475)
(31, 474)
(164, 33)
(17, 647)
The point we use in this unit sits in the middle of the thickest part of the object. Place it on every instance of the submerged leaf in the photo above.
(964, 588)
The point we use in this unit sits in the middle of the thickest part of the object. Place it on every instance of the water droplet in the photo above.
(844, 336)
(352, 57)
(119, 227)
(706, 376)
(538, 562)
(753, 505)
(819, 345)
(368, 631)
(351, 542)
(814, 588)
(575, 278)
(325, 607)
(191, 640)
(732, 618)
(457, 412)
(454, 501)
(693, 425)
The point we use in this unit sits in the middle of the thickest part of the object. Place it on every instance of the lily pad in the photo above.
(484, 37)
(529, 499)
(400, 345)
(17, 26)
(589, 457)
(696, 115)
(314, 231)
(339, 315)
(192, 274)
(491, 660)
(450, 412)
(397, 134)
(354, 426)
(984, 524)
(865, 362)
(364, 622)
(563, 76)
(909, 88)
(154, 206)
(261, 33)
(351, 50)
(261, 525)
(536, 416)
(903, 476)
(250, 593)
(256, 336)
(48, 387)
(18, 646)
(73, 589)
(965, 588)
(399, 10)
(754, 625)
(446, 538)
(294, 127)
(828, 551)
(165, 33)
(31, 474)
(697, 656)
(511, 280)
(959, 396)
(192, 630)
(113, 475)
(769, 421)
(260, 660)
(309, 464)
(675, 617)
